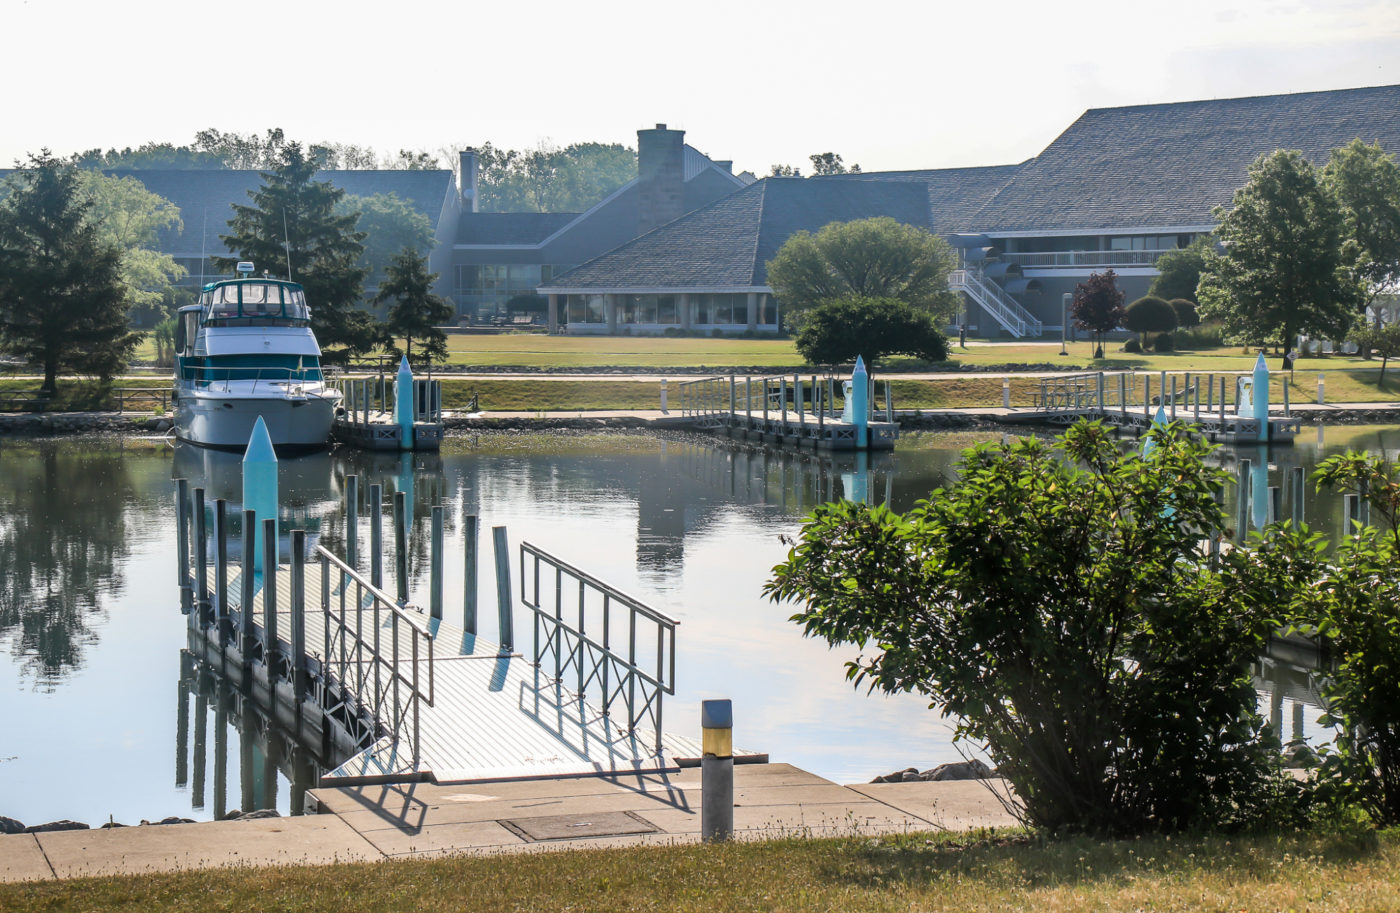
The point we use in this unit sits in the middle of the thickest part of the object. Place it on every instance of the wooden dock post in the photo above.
(783, 401)
(376, 535)
(201, 560)
(435, 563)
(469, 534)
(352, 520)
(182, 544)
(1123, 394)
(401, 545)
(503, 592)
(1173, 418)
(221, 616)
(1147, 394)
(1197, 394)
(1242, 502)
(1295, 493)
(1210, 395)
(246, 641)
(301, 678)
(1222, 404)
(270, 599)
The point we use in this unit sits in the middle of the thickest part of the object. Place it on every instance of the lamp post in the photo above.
(1064, 321)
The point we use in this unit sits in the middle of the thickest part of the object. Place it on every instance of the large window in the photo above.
(483, 289)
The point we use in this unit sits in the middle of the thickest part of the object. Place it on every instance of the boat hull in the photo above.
(225, 421)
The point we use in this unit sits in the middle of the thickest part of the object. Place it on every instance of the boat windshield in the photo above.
(272, 303)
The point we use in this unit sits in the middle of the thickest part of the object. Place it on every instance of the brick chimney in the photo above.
(466, 178)
(660, 177)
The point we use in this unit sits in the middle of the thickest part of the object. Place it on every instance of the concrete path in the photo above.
(366, 823)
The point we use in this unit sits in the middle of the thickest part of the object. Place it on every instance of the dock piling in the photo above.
(716, 771)
(221, 616)
(469, 534)
(352, 520)
(182, 544)
(301, 680)
(401, 545)
(376, 535)
(201, 559)
(435, 560)
(270, 599)
(248, 591)
(503, 592)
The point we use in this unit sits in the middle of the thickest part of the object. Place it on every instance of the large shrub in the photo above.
(1186, 315)
(837, 331)
(1055, 602)
(1150, 315)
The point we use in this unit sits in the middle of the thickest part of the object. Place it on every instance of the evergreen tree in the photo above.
(63, 304)
(415, 312)
(293, 227)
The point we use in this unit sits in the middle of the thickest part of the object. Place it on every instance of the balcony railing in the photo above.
(1070, 258)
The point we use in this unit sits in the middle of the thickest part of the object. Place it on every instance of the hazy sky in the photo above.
(886, 84)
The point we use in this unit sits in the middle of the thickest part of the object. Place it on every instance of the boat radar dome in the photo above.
(245, 267)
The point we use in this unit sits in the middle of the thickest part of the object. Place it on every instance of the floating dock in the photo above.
(371, 417)
(1224, 407)
(793, 411)
(397, 694)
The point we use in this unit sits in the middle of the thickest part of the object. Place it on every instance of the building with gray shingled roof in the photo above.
(1115, 190)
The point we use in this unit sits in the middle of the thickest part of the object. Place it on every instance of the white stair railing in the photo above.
(1015, 319)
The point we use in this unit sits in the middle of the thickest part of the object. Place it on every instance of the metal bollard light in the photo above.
(717, 771)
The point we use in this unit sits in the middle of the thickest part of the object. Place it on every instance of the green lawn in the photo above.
(918, 872)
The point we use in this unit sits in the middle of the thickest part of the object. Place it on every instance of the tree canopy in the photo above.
(838, 330)
(293, 227)
(549, 178)
(130, 217)
(1365, 181)
(390, 223)
(1150, 314)
(1282, 271)
(1179, 271)
(867, 258)
(415, 313)
(823, 163)
(63, 302)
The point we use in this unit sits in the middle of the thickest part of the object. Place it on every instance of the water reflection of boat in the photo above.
(246, 350)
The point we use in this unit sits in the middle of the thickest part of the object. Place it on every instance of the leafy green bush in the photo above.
(838, 330)
(1204, 336)
(1055, 602)
(1133, 347)
(1350, 600)
(1150, 315)
(1186, 315)
(1163, 342)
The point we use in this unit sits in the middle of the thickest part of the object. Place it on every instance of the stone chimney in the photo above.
(466, 178)
(660, 177)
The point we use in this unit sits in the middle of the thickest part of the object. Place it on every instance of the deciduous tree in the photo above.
(292, 227)
(1282, 271)
(549, 178)
(63, 304)
(130, 217)
(1097, 306)
(1179, 271)
(866, 258)
(1365, 180)
(390, 223)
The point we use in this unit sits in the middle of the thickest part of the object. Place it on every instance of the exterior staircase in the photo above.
(1004, 309)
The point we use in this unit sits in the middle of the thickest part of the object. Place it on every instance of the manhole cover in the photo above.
(571, 827)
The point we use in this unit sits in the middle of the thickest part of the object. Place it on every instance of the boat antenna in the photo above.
(287, 244)
(203, 243)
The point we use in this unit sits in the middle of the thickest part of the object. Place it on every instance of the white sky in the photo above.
(888, 84)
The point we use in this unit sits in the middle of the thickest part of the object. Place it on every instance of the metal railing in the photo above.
(1001, 306)
(302, 381)
(1085, 258)
(356, 613)
(363, 397)
(577, 630)
(151, 398)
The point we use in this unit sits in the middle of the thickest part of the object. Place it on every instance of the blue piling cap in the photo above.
(403, 365)
(1260, 364)
(859, 368)
(259, 445)
(1161, 417)
(717, 714)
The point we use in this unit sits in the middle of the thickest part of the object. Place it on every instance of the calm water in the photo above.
(101, 718)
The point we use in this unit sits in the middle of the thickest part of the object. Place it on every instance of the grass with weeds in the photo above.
(1353, 871)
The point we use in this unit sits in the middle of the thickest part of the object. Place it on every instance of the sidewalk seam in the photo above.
(45, 853)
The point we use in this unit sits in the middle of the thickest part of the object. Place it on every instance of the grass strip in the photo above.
(934, 873)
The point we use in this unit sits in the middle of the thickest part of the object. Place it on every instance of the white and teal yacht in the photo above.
(245, 350)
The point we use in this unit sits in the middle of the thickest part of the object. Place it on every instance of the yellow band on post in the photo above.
(718, 743)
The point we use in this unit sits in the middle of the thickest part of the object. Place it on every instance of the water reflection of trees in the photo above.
(63, 542)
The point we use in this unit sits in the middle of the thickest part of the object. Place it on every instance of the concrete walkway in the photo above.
(369, 823)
